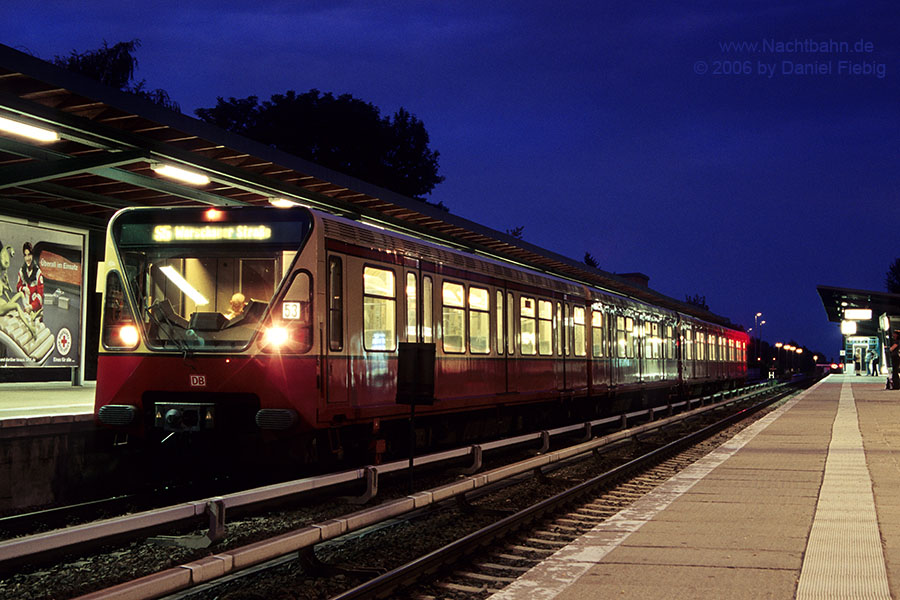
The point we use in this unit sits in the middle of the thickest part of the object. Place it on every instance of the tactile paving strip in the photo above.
(843, 557)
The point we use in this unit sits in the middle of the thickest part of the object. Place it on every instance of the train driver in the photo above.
(237, 306)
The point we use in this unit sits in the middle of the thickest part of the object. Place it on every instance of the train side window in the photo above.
(427, 310)
(527, 325)
(579, 331)
(629, 337)
(545, 327)
(479, 321)
(597, 333)
(647, 332)
(510, 324)
(656, 340)
(412, 307)
(379, 309)
(567, 330)
(710, 347)
(454, 317)
(689, 344)
(620, 337)
(670, 343)
(335, 303)
(499, 322)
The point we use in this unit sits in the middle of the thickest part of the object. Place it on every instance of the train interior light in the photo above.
(182, 284)
(30, 131)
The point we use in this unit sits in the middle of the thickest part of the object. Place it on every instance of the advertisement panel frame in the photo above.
(37, 327)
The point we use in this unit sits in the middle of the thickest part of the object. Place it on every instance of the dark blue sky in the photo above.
(613, 127)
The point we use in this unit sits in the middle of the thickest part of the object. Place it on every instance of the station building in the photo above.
(866, 319)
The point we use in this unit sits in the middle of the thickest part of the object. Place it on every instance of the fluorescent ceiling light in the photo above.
(176, 278)
(857, 314)
(181, 174)
(30, 131)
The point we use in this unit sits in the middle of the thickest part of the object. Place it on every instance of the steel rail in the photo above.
(17, 550)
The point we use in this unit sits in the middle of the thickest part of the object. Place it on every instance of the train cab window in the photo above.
(335, 303)
(499, 322)
(454, 317)
(579, 331)
(545, 327)
(527, 325)
(412, 307)
(119, 328)
(379, 310)
(597, 333)
(427, 310)
(479, 321)
(510, 324)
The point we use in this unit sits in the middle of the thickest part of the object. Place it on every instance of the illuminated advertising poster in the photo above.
(41, 285)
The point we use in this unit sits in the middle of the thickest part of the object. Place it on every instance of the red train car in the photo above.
(308, 352)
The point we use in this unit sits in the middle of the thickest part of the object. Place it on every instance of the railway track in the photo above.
(481, 508)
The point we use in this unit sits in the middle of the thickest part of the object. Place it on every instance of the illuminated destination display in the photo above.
(211, 233)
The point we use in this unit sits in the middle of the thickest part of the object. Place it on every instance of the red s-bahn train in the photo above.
(309, 351)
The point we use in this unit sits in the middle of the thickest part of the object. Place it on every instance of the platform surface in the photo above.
(18, 400)
(805, 503)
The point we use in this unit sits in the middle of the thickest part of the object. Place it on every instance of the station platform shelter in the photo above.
(804, 503)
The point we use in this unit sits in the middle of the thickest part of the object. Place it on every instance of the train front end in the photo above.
(207, 325)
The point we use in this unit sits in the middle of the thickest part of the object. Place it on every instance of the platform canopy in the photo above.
(838, 300)
(110, 141)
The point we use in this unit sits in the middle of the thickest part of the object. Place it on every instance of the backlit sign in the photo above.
(211, 233)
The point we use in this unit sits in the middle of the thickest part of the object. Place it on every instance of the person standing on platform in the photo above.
(895, 361)
(870, 362)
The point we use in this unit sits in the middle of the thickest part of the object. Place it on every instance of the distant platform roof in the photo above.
(836, 300)
(110, 139)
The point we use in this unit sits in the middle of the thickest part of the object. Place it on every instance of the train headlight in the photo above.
(128, 335)
(275, 336)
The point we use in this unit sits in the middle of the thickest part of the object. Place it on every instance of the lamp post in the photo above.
(758, 338)
(779, 365)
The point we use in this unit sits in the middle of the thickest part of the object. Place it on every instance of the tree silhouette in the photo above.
(590, 261)
(516, 232)
(892, 278)
(697, 300)
(115, 66)
(339, 132)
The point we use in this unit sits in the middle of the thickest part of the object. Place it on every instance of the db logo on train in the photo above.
(198, 380)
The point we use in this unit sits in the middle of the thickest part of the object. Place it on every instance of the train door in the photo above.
(337, 359)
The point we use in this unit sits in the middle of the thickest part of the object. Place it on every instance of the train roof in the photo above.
(111, 139)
